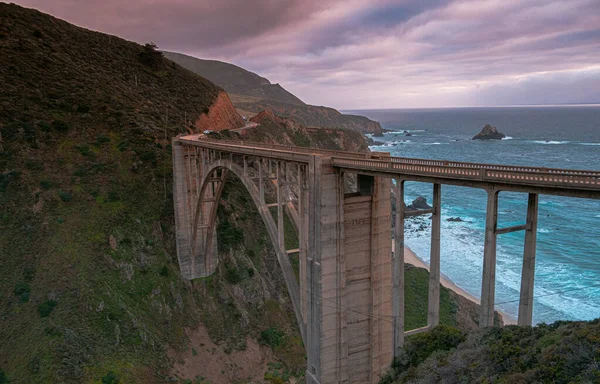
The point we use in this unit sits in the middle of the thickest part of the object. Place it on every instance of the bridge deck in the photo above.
(567, 182)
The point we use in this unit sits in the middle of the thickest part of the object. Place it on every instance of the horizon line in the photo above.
(480, 106)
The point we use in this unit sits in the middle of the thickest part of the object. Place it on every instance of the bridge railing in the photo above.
(291, 148)
(510, 174)
(499, 167)
(479, 171)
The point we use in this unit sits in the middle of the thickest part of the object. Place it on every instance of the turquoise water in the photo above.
(567, 280)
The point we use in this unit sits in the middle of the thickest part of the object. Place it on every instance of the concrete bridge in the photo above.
(349, 298)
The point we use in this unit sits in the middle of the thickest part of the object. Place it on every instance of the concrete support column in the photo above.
(398, 271)
(303, 241)
(261, 184)
(528, 273)
(488, 281)
(433, 313)
(280, 225)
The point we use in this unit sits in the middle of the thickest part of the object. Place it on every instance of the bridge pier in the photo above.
(488, 280)
(398, 271)
(528, 272)
(433, 313)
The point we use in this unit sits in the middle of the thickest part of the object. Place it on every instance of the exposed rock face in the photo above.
(252, 93)
(221, 115)
(489, 132)
(418, 203)
(287, 131)
(455, 219)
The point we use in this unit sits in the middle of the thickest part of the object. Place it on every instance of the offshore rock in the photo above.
(418, 203)
(489, 132)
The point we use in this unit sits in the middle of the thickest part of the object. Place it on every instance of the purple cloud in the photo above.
(381, 53)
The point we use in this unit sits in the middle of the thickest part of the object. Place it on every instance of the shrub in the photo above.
(164, 271)
(7, 177)
(271, 337)
(22, 290)
(101, 139)
(229, 236)
(3, 378)
(29, 273)
(83, 108)
(111, 378)
(45, 184)
(65, 196)
(151, 56)
(419, 347)
(113, 196)
(24, 297)
(232, 275)
(84, 149)
(45, 309)
(59, 125)
(123, 145)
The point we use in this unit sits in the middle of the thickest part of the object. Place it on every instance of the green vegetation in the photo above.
(45, 308)
(563, 352)
(85, 155)
(271, 337)
(3, 378)
(110, 378)
(415, 300)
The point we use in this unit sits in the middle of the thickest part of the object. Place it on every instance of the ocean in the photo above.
(567, 278)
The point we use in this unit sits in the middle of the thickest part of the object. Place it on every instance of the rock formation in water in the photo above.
(418, 203)
(489, 132)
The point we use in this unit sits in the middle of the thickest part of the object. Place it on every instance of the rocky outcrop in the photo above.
(418, 203)
(455, 219)
(288, 131)
(489, 132)
(221, 115)
(312, 116)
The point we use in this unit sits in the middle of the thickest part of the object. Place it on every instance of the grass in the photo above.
(416, 297)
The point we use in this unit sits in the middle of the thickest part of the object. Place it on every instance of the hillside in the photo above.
(251, 94)
(234, 79)
(89, 284)
(561, 353)
(90, 290)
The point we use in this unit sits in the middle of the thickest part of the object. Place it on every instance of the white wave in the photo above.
(590, 144)
(507, 138)
(436, 143)
(543, 230)
(550, 142)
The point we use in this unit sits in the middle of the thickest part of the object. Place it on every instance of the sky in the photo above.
(353, 54)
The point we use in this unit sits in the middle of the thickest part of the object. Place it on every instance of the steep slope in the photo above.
(313, 116)
(251, 93)
(235, 79)
(563, 352)
(89, 283)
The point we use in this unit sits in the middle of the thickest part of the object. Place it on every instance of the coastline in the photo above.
(411, 257)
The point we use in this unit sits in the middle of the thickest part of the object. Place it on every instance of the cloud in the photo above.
(378, 53)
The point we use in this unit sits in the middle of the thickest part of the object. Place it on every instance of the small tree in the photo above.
(151, 56)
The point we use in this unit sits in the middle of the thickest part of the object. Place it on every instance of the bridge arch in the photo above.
(203, 243)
